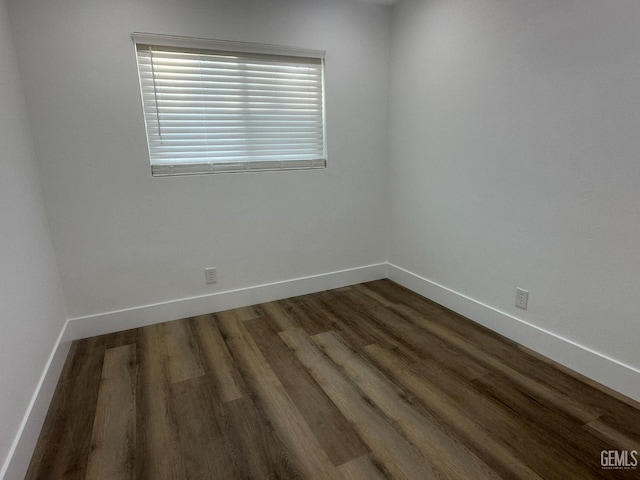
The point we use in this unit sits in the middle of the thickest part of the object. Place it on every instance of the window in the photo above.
(213, 106)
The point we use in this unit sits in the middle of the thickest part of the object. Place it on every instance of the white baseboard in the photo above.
(17, 461)
(601, 368)
(115, 321)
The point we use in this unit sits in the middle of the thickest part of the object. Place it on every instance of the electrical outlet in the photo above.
(522, 297)
(210, 275)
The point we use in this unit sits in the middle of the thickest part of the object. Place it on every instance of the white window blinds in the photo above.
(213, 106)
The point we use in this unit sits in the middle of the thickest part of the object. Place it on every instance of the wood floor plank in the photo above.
(201, 439)
(572, 383)
(157, 433)
(620, 434)
(373, 295)
(216, 356)
(312, 310)
(400, 458)
(334, 432)
(119, 339)
(277, 316)
(64, 445)
(568, 442)
(247, 313)
(304, 310)
(565, 437)
(534, 447)
(46, 449)
(312, 315)
(183, 357)
(392, 329)
(352, 325)
(573, 407)
(423, 430)
(306, 452)
(494, 452)
(315, 307)
(113, 439)
(400, 295)
(256, 449)
(364, 468)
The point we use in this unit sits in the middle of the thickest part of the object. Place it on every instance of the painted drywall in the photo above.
(515, 146)
(125, 239)
(32, 314)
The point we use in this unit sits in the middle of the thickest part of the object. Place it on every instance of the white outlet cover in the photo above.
(210, 275)
(522, 298)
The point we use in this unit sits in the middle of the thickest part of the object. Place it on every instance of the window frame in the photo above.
(210, 165)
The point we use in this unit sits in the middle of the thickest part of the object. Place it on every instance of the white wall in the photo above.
(124, 239)
(32, 313)
(515, 159)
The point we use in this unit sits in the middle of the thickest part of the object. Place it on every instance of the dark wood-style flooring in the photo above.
(364, 382)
